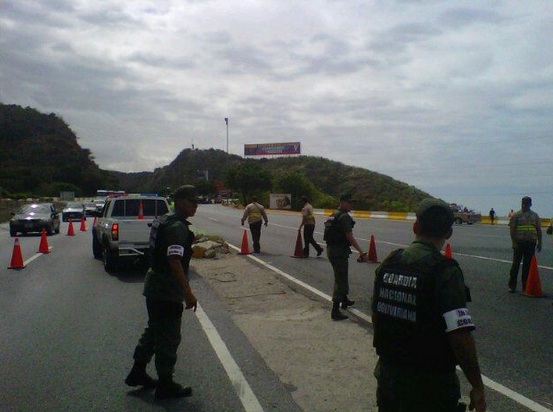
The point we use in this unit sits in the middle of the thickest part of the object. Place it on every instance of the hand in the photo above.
(266, 223)
(242, 223)
(538, 247)
(477, 400)
(190, 300)
(363, 257)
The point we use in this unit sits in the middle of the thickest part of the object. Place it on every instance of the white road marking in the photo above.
(239, 382)
(509, 393)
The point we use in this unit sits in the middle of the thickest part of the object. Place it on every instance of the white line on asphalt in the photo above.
(239, 382)
(34, 257)
(509, 393)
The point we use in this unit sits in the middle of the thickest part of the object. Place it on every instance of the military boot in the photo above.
(336, 314)
(139, 377)
(346, 302)
(167, 388)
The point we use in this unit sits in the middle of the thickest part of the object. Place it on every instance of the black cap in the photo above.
(430, 203)
(186, 192)
(527, 199)
(347, 197)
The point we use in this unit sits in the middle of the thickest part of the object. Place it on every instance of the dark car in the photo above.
(73, 211)
(35, 217)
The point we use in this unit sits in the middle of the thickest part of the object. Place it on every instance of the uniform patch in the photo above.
(457, 319)
(175, 250)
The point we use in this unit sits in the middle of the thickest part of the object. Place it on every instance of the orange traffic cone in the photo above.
(447, 252)
(140, 210)
(298, 251)
(83, 224)
(372, 251)
(17, 256)
(245, 250)
(70, 230)
(43, 247)
(533, 283)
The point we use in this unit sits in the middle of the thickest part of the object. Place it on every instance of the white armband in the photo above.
(175, 250)
(457, 319)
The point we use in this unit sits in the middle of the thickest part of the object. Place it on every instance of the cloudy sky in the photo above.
(453, 97)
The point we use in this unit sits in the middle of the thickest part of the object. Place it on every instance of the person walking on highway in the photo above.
(339, 240)
(308, 224)
(255, 214)
(165, 288)
(492, 215)
(422, 327)
(526, 237)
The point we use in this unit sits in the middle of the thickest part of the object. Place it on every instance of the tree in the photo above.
(297, 184)
(248, 178)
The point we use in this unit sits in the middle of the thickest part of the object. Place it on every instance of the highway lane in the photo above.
(68, 331)
(514, 333)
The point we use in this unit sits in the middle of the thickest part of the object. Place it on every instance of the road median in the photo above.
(326, 365)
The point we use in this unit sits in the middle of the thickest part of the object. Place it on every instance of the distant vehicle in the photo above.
(35, 217)
(89, 209)
(99, 203)
(122, 230)
(463, 215)
(73, 211)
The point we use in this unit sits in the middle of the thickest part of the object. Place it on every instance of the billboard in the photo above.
(272, 149)
(280, 201)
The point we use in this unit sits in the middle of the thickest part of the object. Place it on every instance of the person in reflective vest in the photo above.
(526, 236)
(308, 224)
(255, 214)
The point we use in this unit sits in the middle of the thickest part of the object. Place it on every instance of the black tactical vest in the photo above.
(408, 329)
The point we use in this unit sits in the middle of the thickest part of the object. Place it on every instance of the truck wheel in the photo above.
(110, 262)
(96, 247)
(458, 221)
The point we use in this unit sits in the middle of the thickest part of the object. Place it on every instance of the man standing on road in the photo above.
(422, 328)
(526, 236)
(165, 288)
(255, 213)
(339, 239)
(492, 215)
(308, 224)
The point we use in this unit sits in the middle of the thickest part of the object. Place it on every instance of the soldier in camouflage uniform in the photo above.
(165, 288)
(339, 240)
(422, 327)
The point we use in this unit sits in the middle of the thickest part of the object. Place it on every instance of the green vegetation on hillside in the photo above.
(40, 156)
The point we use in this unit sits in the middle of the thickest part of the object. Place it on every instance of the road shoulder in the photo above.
(326, 365)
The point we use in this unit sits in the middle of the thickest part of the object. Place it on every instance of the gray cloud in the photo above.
(454, 98)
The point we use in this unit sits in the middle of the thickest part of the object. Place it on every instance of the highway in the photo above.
(69, 329)
(514, 333)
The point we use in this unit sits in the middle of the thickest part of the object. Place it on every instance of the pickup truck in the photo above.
(122, 229)
(463, 215)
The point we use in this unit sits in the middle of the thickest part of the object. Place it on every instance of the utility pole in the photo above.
(226, 121)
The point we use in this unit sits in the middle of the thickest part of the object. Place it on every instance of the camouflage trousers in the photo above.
(161, 337)
(341, 281)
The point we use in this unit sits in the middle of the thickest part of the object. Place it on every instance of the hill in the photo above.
(40, 155)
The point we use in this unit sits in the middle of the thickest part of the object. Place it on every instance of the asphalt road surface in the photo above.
(514, 333)
(67, 329)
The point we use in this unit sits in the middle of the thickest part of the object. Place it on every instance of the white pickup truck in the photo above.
(122, 229)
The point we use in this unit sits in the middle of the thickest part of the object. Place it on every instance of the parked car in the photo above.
(35, 217)
(89, 209)
(73, 211)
